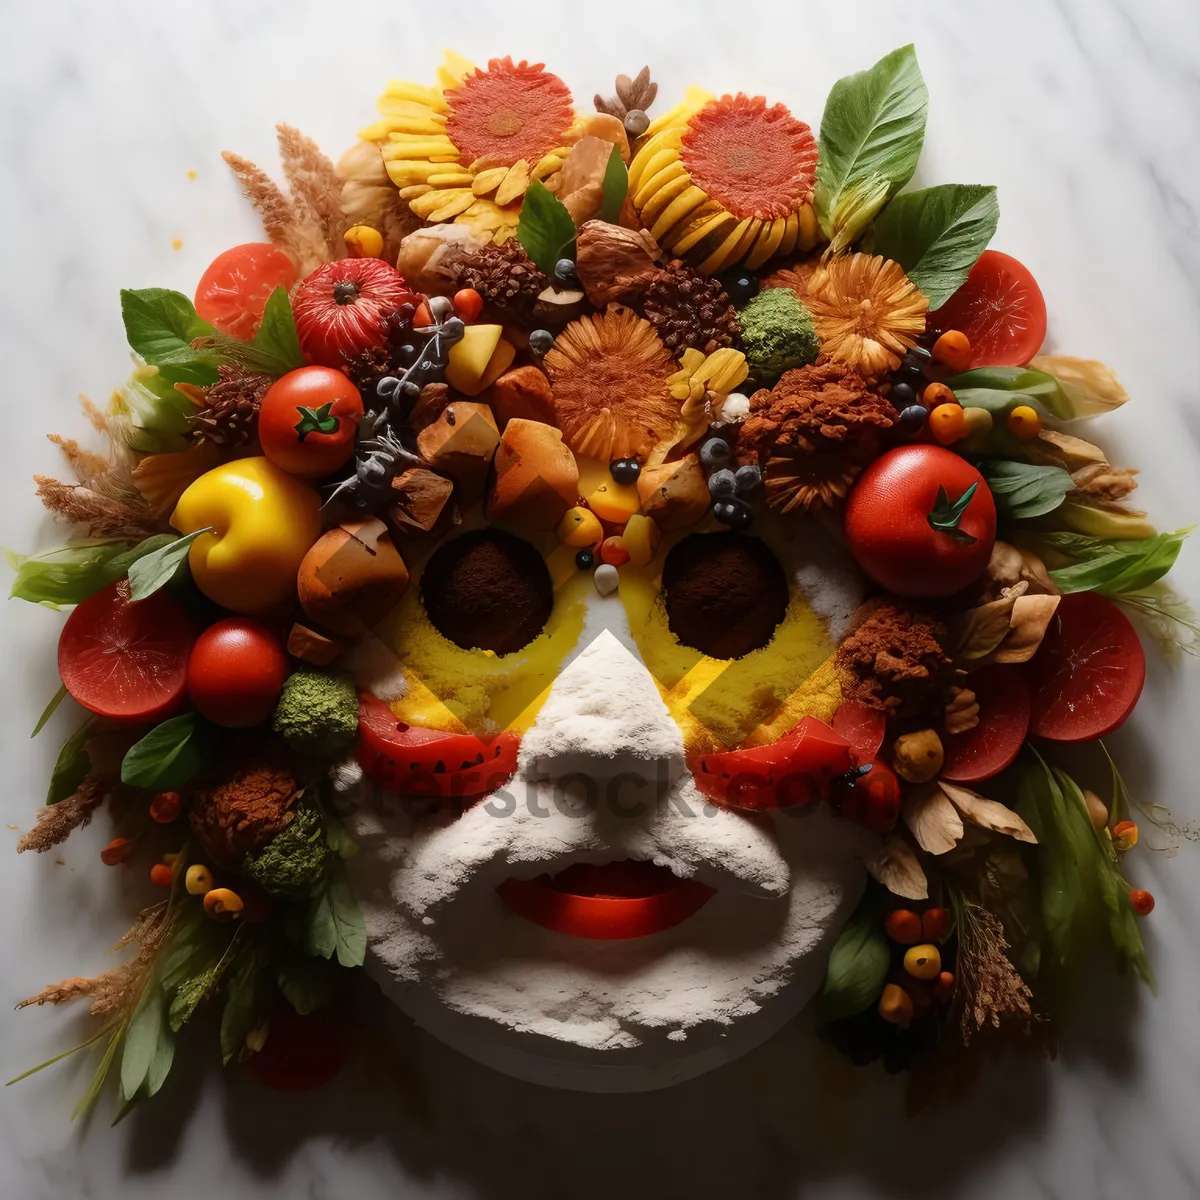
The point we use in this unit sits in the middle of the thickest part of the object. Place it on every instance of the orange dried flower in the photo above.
(611, 375)
(866, 312)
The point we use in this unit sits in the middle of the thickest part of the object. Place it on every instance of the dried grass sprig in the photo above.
(315, 184)
(56, 821)
(103, 516)
(285, 227)
(991, 991)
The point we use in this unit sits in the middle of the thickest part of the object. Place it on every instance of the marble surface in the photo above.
(1086, 113)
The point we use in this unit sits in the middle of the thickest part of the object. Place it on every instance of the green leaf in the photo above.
(149, 1044)
(161, 325)
(315, 420)
(276, 340)
(68, 575)
(1001, 389)
(332, 921)
(938, 234)
(155, 570)
(72, 765)
(614, 188)
(159, 414)
(1112, 567)
(338, 838)
(245, 1002)
(168, 757)
(50, 710)
(1023, 490)
(545, 228)
(858, 964)
(306, 983)
(872, 131)
(946, 516)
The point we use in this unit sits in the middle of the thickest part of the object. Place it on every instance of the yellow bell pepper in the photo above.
(263, 522)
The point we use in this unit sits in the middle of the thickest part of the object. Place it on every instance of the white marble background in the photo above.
(1086, 113)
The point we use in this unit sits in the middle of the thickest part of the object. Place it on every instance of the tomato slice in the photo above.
(862, 726)
(616, 900)
(795, 770)
(994, 743)
(415, 761)
(1088, 672)
(301, 1053)
(126, 659)
(235, 289)
(1000, 309)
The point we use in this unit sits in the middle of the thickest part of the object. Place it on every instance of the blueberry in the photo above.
(912, 419)
(714, 452)
(903, 394)
(585, 560)
(748, 478)
(911, 374)
(564, 273)
(722, 483)
(740, 286)
(541, 341)
(736, 514)
(625, 470)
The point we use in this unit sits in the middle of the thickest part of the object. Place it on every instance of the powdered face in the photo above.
(602, 779)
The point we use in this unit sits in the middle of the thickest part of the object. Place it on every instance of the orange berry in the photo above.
(116, 852)
(160, 875)
(943, 988)
(166, 806)
(895, 1005)
(1143, 902)
(468, 304)
(613, 551)
(947, 423)
(422, 318)
(903, 926)
(937, 393)
(934, 922)
(1125, 835)
(1024, 423)
(953, 350)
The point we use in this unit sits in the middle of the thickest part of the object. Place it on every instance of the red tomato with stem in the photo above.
(1000, 309)
(126, 659)
(309, 420)
(1088, 672)
(994, 743)
(235, 289)
(921, 521)
(236, 671)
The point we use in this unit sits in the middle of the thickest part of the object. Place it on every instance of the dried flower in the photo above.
(689, 310)
(504, 276)
(867, 312)
(228, 411)
(795, 278)
(990, 989)
(611, 377)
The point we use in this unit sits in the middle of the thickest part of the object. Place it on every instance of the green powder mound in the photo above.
(777, 335)
(317, 713)
(293, 862)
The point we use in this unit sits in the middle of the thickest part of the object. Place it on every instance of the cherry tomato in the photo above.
(126, 659)
(1088, 672)
(993, 744)
(468, 304)
(904, 525)
(795, 770)
(301, 1053)
(1001, 311)
(934, 923)
(903, 925)
(872, 800)
(1142, 902)
(411, 760)
(235, 289)
(308, 421)
(862, 726)
(236, 672)
(609, 902)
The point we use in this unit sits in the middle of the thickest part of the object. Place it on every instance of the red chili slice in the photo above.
(994, 743)
(795, 770)
(1088, 672)
(609, 902)
(862, 726)
(416, 761)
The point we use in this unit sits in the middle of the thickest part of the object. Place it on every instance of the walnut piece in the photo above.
(962, 710)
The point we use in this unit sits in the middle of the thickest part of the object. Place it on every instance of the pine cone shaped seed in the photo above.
(230, 415)
(690, 310)
(504, 276)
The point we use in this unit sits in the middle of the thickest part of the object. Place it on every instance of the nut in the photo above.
(918, 756)
(962, 710)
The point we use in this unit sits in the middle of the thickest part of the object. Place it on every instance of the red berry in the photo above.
(468, 304)
(165, 807)
(1143, 902)
(903, 926)
(116, 852)
(614, 552)
(160, 875)
(934, 923)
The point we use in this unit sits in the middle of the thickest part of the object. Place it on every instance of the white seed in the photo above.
(606, 579)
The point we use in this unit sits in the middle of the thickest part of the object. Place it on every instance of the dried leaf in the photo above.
(163, 478)
(987, 814)
(895, 865)
(1102, 481)
(1092, 387)
(1010, 565)
(932, 819)
(986, 626)
(1030, 618)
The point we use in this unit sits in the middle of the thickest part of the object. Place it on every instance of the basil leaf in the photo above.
(168, 757)
(1112, 567)
(338, 839)
(614, 188)
(67, 576)
(155, 570)
(149, 1047)
(1022, 490)
(872, 131)
(858, 965)
(306, 983)
(50, 710)
(938, 234)
(332, 921)
(545, 228)
(161, 325)
(72, 765)
(1000, 389)
(276, 337)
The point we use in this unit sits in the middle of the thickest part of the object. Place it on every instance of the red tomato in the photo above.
(308, 421)
(608, 902)
(126, 659)
(1088, 672)
(301, 1053)
(872, 800)
(795, 770)
(411, 760)
(235, 289)
(236, 672)
(862, 726)
(892, 515)
(995, 742)
(1000, 309)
